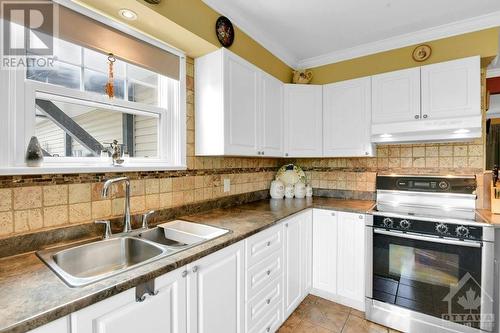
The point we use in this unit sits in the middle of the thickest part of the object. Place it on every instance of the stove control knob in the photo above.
(443, 185)
(404, 224)
(388, 222)
(442, 228)
(462, 231)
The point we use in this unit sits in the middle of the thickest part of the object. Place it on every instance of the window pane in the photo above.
(99, 62)
(96, 81)
(61, 74)
(141, 93)
(73, 130)
(143, 75)
(67, 52)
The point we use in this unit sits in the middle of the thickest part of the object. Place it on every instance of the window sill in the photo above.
(53, 168)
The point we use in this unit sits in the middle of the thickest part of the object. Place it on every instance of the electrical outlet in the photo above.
(227, 185)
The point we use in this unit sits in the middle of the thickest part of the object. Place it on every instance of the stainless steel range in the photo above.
(430, 257)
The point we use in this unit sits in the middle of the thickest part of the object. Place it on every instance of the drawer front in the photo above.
(261, 245)
(262, 303)
(272, 322)
(261, 274)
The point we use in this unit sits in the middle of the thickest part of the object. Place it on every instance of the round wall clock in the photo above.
(225, 31)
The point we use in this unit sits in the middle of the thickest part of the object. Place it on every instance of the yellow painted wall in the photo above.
(189, 25)
(483, 43)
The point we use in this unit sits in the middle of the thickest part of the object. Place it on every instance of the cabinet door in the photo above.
(351, 259)
(60, 325)
(325, 251)
(216, 292)
(306, 251)
(241, 106)
(303, 120)
(451, 89)
(396, 96)
(347, 118)
(293, 267)
(164, 312)
(271, 119)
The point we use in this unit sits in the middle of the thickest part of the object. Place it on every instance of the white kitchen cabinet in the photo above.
(164, 312)
(347, 118)
(396, 96)
(297, 260)
(325, 251)
(61, 325)
(271, 116)
(351, 259)
(239, 108)
(216, 287)
(451, 89)
(303, 120)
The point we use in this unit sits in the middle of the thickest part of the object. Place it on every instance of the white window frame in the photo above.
(18, 117)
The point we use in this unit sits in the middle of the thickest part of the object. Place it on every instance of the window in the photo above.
(66, 108)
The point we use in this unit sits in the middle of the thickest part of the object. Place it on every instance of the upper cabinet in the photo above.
(396, 96)
(239, 109)
(346, 118)
(451, 89)
(303, 120)
(431, 103)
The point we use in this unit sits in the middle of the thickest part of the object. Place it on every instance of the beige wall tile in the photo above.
(55, 216)
(165, 185)
(475, 150)
(138, 204)
(5, 199)
(418, 162)
(101, 209)
(118, 207)
(80, 212)
(177, 184)
(27, 197)
(177, 198)
(406, 151)
(460, 150)
(152, 186)
(460, 162)
(31, 219)
(432, 151)
(137, 187)
(165, 200)
(54, 195)
(446, 151)
(476, 162)
(394, 152)
(406, 162)
(79, 193)
(6, 223)
(153, 201)
(446, 162)
(97, 191)
(418, 152)
(432, 162)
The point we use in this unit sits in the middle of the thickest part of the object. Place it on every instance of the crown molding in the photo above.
(493, 72)
(446, 30)
(242, 23)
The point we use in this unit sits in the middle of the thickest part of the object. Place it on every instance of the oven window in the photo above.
(427, 266)
(427, 277)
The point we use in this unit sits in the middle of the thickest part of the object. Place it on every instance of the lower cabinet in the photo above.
(163, 312)
(61, 325)
(339, 257)
(216, 287)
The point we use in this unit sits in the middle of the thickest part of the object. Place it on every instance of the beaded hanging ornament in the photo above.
(109, 88)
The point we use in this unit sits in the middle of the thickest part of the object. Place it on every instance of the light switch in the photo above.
(227, 185)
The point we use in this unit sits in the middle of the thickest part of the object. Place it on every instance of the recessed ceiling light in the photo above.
(461, 131)
(386, 135)
(128, 14)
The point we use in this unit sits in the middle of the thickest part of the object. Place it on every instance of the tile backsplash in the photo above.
(36, 202)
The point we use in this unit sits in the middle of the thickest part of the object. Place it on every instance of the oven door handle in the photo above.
(428, 238)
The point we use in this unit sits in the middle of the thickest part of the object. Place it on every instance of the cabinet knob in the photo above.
(286, 225)
(366, 153)
(268, 329)
(268, 243)
(262, 152)
(425, 116)
(417, 116)
(286, 154)
(268, 301)
(195, 269)
(268, 272)
(184, 274)
(333, 214)
(361, 217)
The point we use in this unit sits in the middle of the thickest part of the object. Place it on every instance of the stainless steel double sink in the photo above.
(85, 264)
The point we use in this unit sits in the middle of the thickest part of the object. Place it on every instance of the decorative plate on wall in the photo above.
(225, 31)
(291, 174)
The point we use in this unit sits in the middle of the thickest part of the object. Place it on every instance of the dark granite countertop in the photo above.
(32, 295)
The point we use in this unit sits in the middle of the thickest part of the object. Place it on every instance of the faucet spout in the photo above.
(127, 227)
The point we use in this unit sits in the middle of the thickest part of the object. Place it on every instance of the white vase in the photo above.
(289, 191)
(300, 190)
(309, 191)
(277, 189)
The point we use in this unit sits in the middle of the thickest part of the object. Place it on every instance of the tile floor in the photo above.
(317, 315)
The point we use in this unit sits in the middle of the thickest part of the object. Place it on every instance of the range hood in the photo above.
(437, 130)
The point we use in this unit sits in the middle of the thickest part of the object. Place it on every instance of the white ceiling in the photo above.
(309, 33)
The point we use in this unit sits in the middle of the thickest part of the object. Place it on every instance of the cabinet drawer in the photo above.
(261, 245)
(272, 322)
(259, 275)
(262, 303)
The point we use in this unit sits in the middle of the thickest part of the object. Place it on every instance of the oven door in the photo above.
(439, 277)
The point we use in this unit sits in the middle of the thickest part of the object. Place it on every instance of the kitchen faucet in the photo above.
(105, 193)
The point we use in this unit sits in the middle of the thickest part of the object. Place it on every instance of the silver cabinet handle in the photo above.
(262, 152)
(425, 116)
(184, 274)
(286, 154)
(417, 116)
(195, 269)
(268, 272)
(268, 300)
(268, 329)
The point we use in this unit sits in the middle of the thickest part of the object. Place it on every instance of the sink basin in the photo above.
(88, 263)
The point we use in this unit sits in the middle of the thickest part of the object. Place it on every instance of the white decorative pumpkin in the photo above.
(277, 189)
(300, 190)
